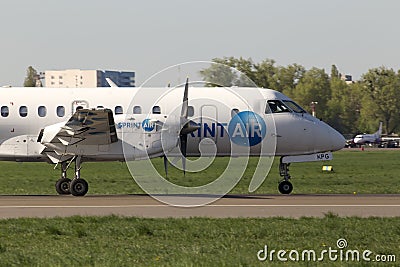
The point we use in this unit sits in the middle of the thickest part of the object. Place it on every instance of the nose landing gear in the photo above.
(285, 187)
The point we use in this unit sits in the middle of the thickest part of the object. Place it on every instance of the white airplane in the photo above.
(75, 125)
(362, 139)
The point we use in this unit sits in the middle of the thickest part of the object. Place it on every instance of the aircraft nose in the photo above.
(337, 140)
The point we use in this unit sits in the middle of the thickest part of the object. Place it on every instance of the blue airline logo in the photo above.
(147, 125)
(247, 129)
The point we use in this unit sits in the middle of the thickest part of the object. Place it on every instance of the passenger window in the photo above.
(234, 112)
(137, 110)
(118, 110)
(42, 111)
(156, 110)
(23, 111)
(60, 111)
(190, 111)
(4, 111)
(277, 106)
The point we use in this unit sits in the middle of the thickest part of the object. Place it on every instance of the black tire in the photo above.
(78, 187)
(62, 186)
(285, 187)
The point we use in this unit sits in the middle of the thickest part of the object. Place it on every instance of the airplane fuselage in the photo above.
(25, 111)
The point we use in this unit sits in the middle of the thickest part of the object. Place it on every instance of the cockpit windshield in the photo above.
(293, 106)
(276, 106)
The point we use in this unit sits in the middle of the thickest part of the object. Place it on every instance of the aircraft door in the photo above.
(79, 104)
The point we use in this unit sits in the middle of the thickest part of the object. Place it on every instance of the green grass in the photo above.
(358, 171)
(114, 241)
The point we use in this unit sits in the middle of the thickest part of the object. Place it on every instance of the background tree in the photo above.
(382, 98)
(351, 107)
(230, 71)
(219, 75)
(287, 78)
(265, 74)
(31, 77)
(314, 87)
(335, 74)
(335, 104)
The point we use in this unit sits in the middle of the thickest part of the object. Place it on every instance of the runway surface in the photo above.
(229, 206)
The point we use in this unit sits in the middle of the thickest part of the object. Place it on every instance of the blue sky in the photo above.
(147, 36)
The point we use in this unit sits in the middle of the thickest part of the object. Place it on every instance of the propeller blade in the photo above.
(185, 103)
(166, 166)
(184, 125)
(183, 147)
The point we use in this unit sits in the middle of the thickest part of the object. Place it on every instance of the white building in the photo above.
(87, 78)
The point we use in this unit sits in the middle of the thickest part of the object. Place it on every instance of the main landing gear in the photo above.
(77, 186)
(285, 187)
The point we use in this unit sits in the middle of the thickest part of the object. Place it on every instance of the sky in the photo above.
(148, 36)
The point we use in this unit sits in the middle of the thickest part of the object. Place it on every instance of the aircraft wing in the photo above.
(89, 127)
(86, 127)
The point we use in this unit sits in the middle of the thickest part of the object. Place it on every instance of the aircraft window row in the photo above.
(60, 110)
(23, 111)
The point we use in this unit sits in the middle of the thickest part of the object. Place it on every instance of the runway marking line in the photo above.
(226, 206)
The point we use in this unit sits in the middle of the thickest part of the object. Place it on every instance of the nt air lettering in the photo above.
(251, 129)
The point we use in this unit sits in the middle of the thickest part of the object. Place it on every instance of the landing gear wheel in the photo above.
(79, 187)
(285, 187)
(62, 186)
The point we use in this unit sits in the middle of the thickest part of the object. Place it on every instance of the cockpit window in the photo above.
(293, 106)
(277, 106)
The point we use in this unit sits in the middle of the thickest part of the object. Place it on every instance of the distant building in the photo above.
(347, 78)
(87, 78)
